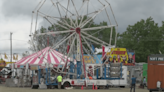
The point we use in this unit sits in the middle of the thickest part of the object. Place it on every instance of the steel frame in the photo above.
(74, 24)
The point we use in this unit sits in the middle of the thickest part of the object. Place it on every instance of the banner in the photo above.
(13, 57)
(122, 55)
(16, 57)
(5, 56)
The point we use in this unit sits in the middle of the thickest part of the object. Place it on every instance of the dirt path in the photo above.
(15, 89)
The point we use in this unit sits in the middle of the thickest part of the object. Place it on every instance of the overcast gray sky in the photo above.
(15, 16)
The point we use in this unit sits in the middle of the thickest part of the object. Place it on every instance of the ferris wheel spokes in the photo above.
(60, 41)
(56, 32)
(63, 23)
(69, 52)
(47, 18)
(70, 18)
(64, 40)
(97, 12)
(96, 28)
(72, 14)
(95, 38)
(57, 19)
(92, 40)
(82, 6)
(82, 17)
(91, 49)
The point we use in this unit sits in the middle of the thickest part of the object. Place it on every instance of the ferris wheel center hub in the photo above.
(78, 30)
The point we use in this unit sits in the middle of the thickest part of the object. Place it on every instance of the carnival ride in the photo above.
(73, 20)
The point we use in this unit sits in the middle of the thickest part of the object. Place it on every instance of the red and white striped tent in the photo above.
(46, 55)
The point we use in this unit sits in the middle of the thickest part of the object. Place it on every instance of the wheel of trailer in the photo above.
(66, 84)
(35, 86)
(107, 86)
(52, 87)
(48, 86)
(122, 86)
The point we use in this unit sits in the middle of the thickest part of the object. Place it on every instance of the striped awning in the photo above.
(44, 56)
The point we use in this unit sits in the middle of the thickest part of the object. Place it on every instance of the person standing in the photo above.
(59, 78)
(133, 82)
(144, 82)
(31, 80)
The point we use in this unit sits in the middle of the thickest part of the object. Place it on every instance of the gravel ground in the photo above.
(15, 89)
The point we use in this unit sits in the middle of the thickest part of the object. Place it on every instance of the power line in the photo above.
(20, 40)
(14, 39)
(5, 39)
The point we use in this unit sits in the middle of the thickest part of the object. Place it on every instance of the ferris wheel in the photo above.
(80, 22)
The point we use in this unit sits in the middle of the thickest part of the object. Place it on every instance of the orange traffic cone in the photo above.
(82, 87)
(96, 87)
(93, 86)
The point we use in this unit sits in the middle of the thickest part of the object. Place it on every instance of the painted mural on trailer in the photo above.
(116, 55)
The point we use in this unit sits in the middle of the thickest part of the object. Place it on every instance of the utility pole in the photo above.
(11, 45)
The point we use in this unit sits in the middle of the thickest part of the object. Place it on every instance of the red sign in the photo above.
(129, 64)
(119, 52)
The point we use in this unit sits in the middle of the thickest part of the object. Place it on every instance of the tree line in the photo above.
(144, 37)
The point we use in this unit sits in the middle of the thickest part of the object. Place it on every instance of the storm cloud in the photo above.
(15, 16)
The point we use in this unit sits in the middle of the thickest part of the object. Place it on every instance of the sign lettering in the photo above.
(156, 58)
(34, 68)
(160, 59)
(119, 52)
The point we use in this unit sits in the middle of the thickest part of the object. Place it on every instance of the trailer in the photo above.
(123, 82)
(155, 72)
(99, 79)
(112, 74)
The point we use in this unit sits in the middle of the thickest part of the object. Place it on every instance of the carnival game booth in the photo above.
(39, 68)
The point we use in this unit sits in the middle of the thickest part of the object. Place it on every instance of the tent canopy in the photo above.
(46, 55)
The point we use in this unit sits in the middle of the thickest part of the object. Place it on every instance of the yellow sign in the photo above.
(119, 54)
(34, 67)
(88, 59)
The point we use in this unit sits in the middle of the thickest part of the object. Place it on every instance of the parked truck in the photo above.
(155, 72)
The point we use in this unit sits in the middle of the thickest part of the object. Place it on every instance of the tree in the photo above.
(26, 53)
(162, 38)
(144, 38)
